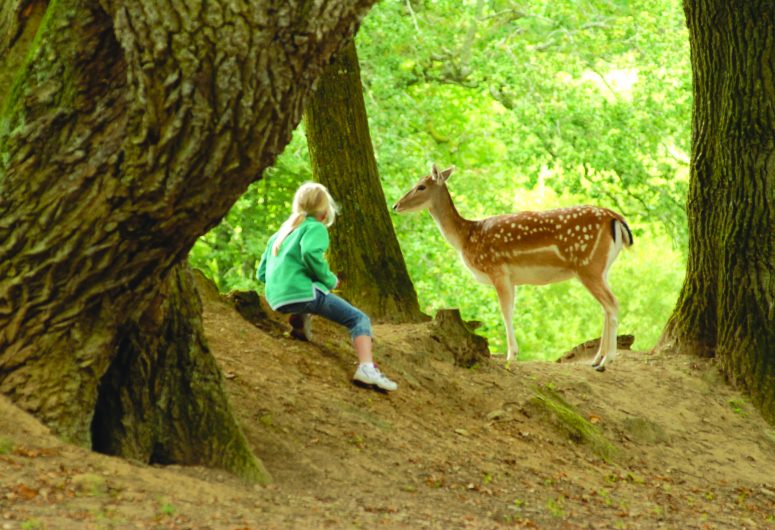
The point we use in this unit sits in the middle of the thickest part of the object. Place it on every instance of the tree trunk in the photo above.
(130, 130)
(727, 305)
(162, 399)
(364, 250)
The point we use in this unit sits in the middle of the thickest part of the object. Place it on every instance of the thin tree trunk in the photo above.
(130, 130)
(364, 250)
(727, 305)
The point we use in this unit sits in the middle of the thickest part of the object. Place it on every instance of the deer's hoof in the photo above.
(600, 367)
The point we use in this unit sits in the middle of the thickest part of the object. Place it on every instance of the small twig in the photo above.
(413, 15)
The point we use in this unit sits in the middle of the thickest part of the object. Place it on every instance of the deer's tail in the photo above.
(620, 230)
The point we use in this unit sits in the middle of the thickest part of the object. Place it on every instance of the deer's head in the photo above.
(425, 193)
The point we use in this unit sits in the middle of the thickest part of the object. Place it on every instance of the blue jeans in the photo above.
(333, 308)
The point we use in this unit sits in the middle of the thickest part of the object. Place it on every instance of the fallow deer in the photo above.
(530, 248)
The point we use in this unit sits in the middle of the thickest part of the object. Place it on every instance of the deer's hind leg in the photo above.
(598, 287)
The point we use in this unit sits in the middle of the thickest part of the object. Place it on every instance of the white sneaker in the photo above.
(370, 375)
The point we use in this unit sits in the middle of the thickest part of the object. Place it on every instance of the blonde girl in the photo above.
(299, 280)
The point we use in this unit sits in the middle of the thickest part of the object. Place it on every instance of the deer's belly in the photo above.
(536, 274)
(538, 267)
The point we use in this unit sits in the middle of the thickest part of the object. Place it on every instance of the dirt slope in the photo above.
(654, 442)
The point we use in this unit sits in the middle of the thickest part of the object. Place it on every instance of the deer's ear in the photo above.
(435, 174)
(446, 173)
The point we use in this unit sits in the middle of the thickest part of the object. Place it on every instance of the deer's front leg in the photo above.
(505, 290)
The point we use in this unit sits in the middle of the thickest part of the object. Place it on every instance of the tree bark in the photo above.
(364, 250)
(727, 304)
(130, 130)
(19, 21)
(162, 399)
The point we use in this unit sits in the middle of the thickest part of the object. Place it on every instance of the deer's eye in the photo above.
(420, 188)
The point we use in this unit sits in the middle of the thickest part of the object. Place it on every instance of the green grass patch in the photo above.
(6, 446)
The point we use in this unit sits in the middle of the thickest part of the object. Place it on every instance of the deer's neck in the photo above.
(453, 227)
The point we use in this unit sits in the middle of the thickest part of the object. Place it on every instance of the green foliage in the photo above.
(539, 105)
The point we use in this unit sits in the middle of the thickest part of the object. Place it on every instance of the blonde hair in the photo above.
(311, 199)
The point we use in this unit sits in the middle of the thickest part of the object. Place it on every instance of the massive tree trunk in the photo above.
(162, 399)
(727, 305)
(364, 250)
(131, 128)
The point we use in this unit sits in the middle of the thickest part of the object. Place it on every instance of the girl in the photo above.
(299, 281)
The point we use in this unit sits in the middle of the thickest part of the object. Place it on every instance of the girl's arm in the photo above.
(314, 244)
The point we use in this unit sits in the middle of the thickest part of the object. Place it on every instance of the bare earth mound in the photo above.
(656, 441)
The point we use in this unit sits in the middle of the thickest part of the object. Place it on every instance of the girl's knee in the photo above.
(361, 326)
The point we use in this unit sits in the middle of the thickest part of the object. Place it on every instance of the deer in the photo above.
(530, 247)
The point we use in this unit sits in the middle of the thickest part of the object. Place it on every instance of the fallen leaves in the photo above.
(34, 452)
(23, 492)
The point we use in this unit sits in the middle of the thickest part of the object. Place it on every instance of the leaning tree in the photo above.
(364, 249)
(726, 308)
(129, 130)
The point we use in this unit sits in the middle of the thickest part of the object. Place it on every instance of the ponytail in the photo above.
(311, 199)
(290, 224)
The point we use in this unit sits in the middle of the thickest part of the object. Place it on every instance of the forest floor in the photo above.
(657, 441)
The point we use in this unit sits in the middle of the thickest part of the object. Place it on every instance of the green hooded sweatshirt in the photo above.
(299, 267)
